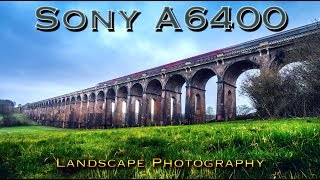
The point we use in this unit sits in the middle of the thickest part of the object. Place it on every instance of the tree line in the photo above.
(6, 107)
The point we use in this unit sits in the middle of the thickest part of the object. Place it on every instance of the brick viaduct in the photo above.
(153, 96)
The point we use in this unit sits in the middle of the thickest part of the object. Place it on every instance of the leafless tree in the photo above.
(293, 92)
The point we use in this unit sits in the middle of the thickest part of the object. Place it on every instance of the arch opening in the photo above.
(113, 106)
(72, 113)
(124, 110)
(136, 97)
(152, 110)
(100, 96)
(122, 92)
(91, 111)
(110, 107)
(172, 108)
(136, 90)
(78, 99)
(68, 101)
(85, 98)
(99, 110)
(121, 111)
(92, 97)
(234, 76)
(154, 87)
(173, 102)
(202, 96)
(73, 100)
(78, 111)
(153, 103)
(84, 110)
(136, 111)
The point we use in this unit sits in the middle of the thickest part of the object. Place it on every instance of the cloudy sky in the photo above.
(36, 65)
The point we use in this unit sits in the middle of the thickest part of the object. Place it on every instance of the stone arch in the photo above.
(78, 99)
(229, 79)
(234, 70)
(153, 91)
(62, 112)
(278, 61)
(122, 92)
(110, 107)
(135, 106)
(154, 86)
(76, 112)
(110, 93)
(84, 111)
(136, 89)
(41, 109)
(67, 101)
(175, 82)
(172, 110)
(68, 116)
(121, 106)
(100, 96)
(47, 112)
(151, 82)
(92, 96)
(99, 110)
(91, 110)
(201, 77)
(71, 115)
(196, 95)
(85, 98)
(73, 100)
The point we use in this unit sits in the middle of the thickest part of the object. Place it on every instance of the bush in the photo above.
(15, 120)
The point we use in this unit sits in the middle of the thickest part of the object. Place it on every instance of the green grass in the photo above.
(289, 147)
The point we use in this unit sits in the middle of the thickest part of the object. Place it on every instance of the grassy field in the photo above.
(289, 147)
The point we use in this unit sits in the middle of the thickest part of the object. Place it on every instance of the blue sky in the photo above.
(36, 65)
